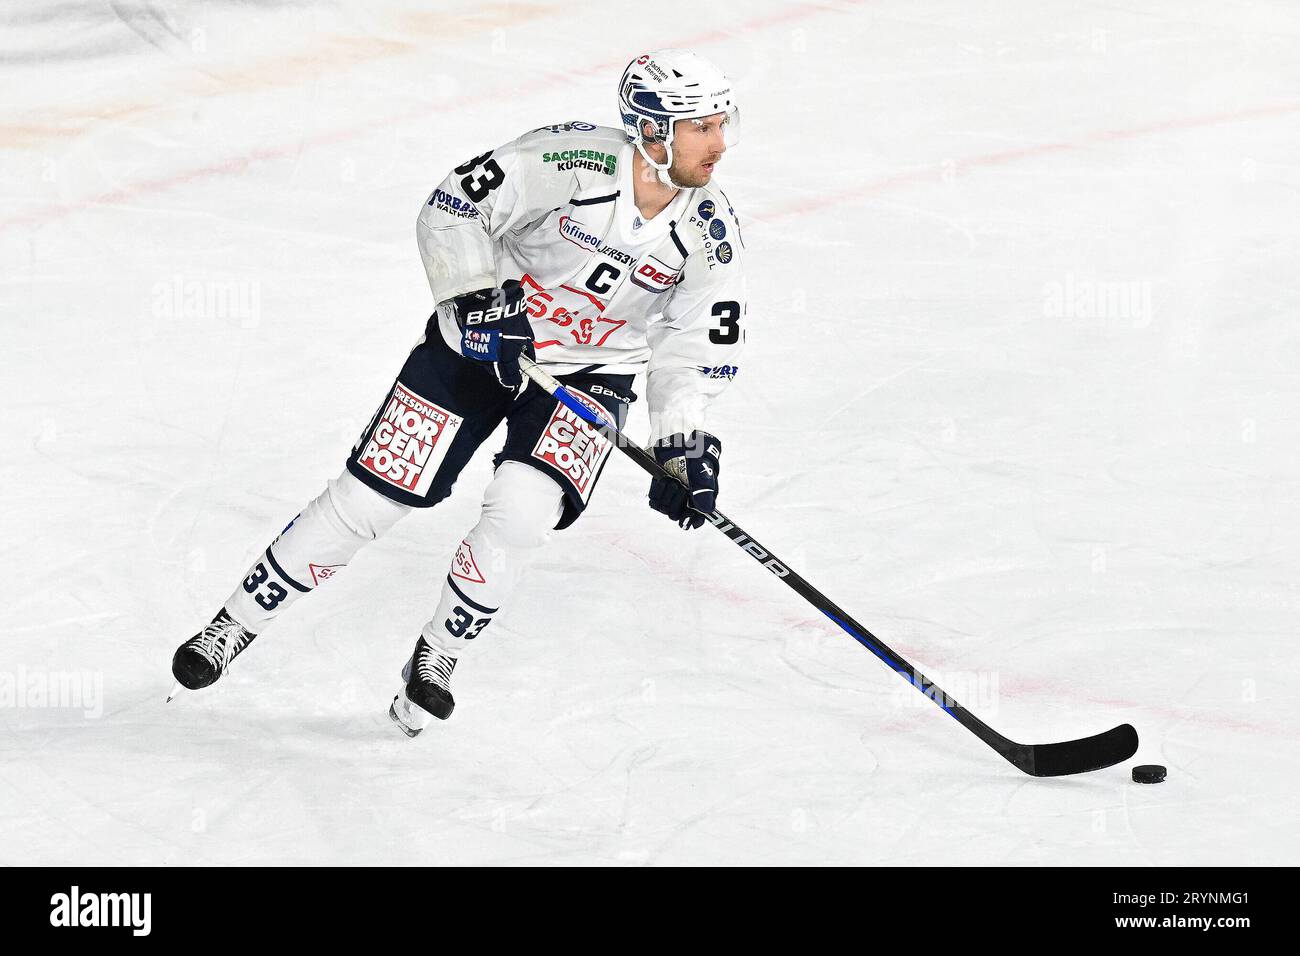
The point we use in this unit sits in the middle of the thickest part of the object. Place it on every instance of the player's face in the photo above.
(698, 145)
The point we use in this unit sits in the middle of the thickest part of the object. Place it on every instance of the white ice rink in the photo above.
(1021, 394)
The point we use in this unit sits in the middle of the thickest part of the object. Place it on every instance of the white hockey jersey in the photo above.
(607, 289)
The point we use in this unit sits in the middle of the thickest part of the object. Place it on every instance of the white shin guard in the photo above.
(520, 509)
(316, 545)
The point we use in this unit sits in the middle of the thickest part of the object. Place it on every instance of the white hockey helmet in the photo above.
(665, 86)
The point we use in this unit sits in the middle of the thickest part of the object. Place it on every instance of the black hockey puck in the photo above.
(1149, 773)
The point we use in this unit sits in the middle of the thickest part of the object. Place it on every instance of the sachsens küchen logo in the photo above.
(592, 159)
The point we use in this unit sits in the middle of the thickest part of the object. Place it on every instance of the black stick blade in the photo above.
(1078, 756)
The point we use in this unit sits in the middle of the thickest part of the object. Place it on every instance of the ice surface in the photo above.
(1021, 394)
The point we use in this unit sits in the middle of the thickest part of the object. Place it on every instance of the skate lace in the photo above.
(436, 669)
(220, 642)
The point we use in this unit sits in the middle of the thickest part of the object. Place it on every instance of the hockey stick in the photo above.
(1039, 760)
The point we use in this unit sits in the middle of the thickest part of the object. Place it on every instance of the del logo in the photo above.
(718, 229)
(654, 275)
(409, 441)
(76, 908)
(723, 252)
(707, 209)
(573, 447)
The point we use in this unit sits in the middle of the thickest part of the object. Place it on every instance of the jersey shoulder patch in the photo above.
(572, 126)
(573, 147)
(712, 229)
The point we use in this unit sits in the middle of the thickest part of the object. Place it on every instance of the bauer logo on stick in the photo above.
(409, 441)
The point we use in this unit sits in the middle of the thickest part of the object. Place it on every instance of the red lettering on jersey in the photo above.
(570, 309)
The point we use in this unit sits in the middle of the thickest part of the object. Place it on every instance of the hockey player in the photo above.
(599, 252)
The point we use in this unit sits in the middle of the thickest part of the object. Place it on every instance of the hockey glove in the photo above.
(494, 328)
(692, 494)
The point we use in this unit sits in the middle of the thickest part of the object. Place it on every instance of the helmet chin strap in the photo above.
(661, 169)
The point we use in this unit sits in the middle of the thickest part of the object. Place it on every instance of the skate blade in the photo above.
(409, 729)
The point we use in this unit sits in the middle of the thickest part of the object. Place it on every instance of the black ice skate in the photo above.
(201, 660)
(427, 692)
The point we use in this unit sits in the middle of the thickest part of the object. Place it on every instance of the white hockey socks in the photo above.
(520, 509)
(316, 545)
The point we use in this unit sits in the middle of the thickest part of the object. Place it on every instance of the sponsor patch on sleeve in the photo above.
(719, 371)
(453, 205)
(409, 441)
